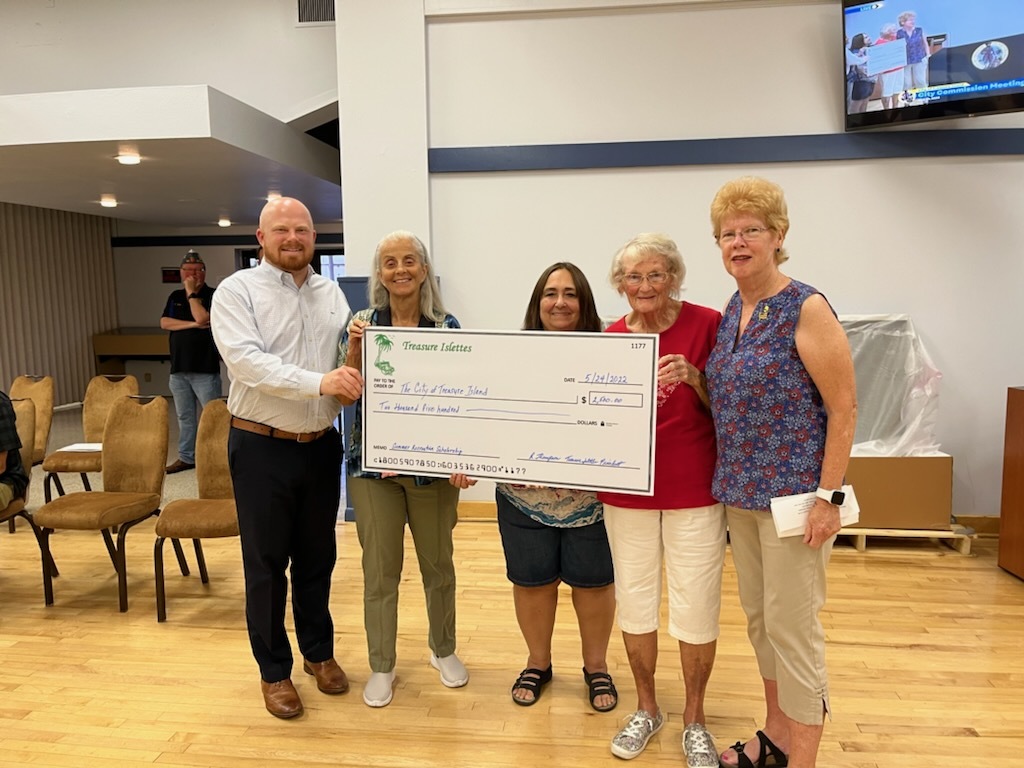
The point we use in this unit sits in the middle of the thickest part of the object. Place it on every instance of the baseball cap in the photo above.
(192, 258)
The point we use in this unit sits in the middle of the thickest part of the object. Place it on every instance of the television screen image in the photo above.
(915, 60)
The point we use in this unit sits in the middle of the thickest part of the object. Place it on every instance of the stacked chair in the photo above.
(134, 458)
(213, 514)
(99, 396)
(40, 391)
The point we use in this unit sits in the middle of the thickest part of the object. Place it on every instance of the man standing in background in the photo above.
(278, 326)
(195, 364)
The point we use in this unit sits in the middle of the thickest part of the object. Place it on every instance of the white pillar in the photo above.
(382, 109)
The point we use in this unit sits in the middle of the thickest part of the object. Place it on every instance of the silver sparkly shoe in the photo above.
(632, 740)
(699, 747)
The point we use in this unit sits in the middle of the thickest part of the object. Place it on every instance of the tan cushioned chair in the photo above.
(134, 455)
(24, 418)
(38, 389)
(99, 396)
(212, 515)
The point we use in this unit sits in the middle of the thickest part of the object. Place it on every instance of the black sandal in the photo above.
(532, 680)
(768, 752)
(599, 684)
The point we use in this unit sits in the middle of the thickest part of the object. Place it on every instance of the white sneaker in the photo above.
(379, 689)
(453, 672)
(632, 740)
(699, 747)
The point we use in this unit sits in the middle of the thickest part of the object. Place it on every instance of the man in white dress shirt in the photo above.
(277, 327)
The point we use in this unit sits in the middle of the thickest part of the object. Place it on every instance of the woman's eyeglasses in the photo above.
(749, 234)
(654, 278)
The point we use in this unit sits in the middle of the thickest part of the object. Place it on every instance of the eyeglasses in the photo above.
(749, 234)
(654, 278)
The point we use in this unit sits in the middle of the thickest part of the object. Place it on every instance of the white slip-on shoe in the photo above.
(379, 689)
(453, 671)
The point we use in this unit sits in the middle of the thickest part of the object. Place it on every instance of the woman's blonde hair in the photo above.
(756, 197)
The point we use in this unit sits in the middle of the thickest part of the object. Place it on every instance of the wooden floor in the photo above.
(925, 652)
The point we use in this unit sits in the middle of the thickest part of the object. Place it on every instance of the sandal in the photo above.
(599, 684)
(770, 756)
(532, 680)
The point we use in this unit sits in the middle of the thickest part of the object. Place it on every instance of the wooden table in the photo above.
(112, 348)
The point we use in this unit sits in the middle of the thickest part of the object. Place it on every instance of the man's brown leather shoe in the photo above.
(330, 678)
(281, 698)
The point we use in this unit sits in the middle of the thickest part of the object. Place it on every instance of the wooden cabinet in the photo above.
(1011, 520)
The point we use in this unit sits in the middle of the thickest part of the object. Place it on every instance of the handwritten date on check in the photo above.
(573, 410)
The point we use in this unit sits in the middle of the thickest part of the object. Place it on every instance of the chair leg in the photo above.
(11, 526)
(119, 563)
(180, 553)
(52, 479)
(85, 482)
(38, 533)
(203, 575)
(47, 560)
(158, 570)
(111, 549)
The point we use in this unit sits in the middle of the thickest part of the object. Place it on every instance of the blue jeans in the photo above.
(188, 388)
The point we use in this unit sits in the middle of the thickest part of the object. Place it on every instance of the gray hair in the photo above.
(649, 244)
(430, 292)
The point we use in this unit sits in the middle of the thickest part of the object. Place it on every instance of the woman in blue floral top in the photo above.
(404, 293)
(783, 397)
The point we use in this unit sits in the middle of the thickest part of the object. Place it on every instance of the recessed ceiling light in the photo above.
(224, 221)
(128, 158)
(108, 201)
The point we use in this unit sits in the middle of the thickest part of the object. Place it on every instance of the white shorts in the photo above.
(692, 542)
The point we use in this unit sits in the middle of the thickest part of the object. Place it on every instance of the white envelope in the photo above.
(790, 512)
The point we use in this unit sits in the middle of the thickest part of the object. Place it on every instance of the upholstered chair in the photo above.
(210, 516)
(134, 456)
(25, 419)
(99, 396)
(39, 390)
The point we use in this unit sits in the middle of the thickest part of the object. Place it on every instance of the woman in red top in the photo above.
(681, 522)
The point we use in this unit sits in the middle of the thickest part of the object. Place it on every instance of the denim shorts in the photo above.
(538, 554)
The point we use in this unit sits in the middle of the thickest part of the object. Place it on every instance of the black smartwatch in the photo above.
(832, 497)
(193, 296)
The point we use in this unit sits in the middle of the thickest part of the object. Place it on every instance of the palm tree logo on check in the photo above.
(384, 344)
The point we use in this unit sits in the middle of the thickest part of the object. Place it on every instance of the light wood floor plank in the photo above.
(924, 653)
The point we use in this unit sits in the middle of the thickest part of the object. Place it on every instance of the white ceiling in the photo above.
(204, 155)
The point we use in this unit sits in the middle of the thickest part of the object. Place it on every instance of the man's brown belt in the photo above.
(268, 431)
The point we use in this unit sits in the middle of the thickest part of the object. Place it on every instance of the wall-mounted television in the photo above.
(913, 60)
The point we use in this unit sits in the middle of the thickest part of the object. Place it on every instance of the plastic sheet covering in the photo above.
(897, 387)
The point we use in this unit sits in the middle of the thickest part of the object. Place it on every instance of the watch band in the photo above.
(193, 296)
(832, 497)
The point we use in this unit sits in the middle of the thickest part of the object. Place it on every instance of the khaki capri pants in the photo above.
(782, 589)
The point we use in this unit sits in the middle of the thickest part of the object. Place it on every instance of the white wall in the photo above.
(249, 49)
(933, 238)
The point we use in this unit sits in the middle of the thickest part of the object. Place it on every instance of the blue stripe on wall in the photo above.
(736, 151)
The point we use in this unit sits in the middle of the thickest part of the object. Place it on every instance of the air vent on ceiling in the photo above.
(316, 11)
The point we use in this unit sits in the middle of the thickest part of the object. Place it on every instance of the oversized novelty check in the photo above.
(574, 410)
